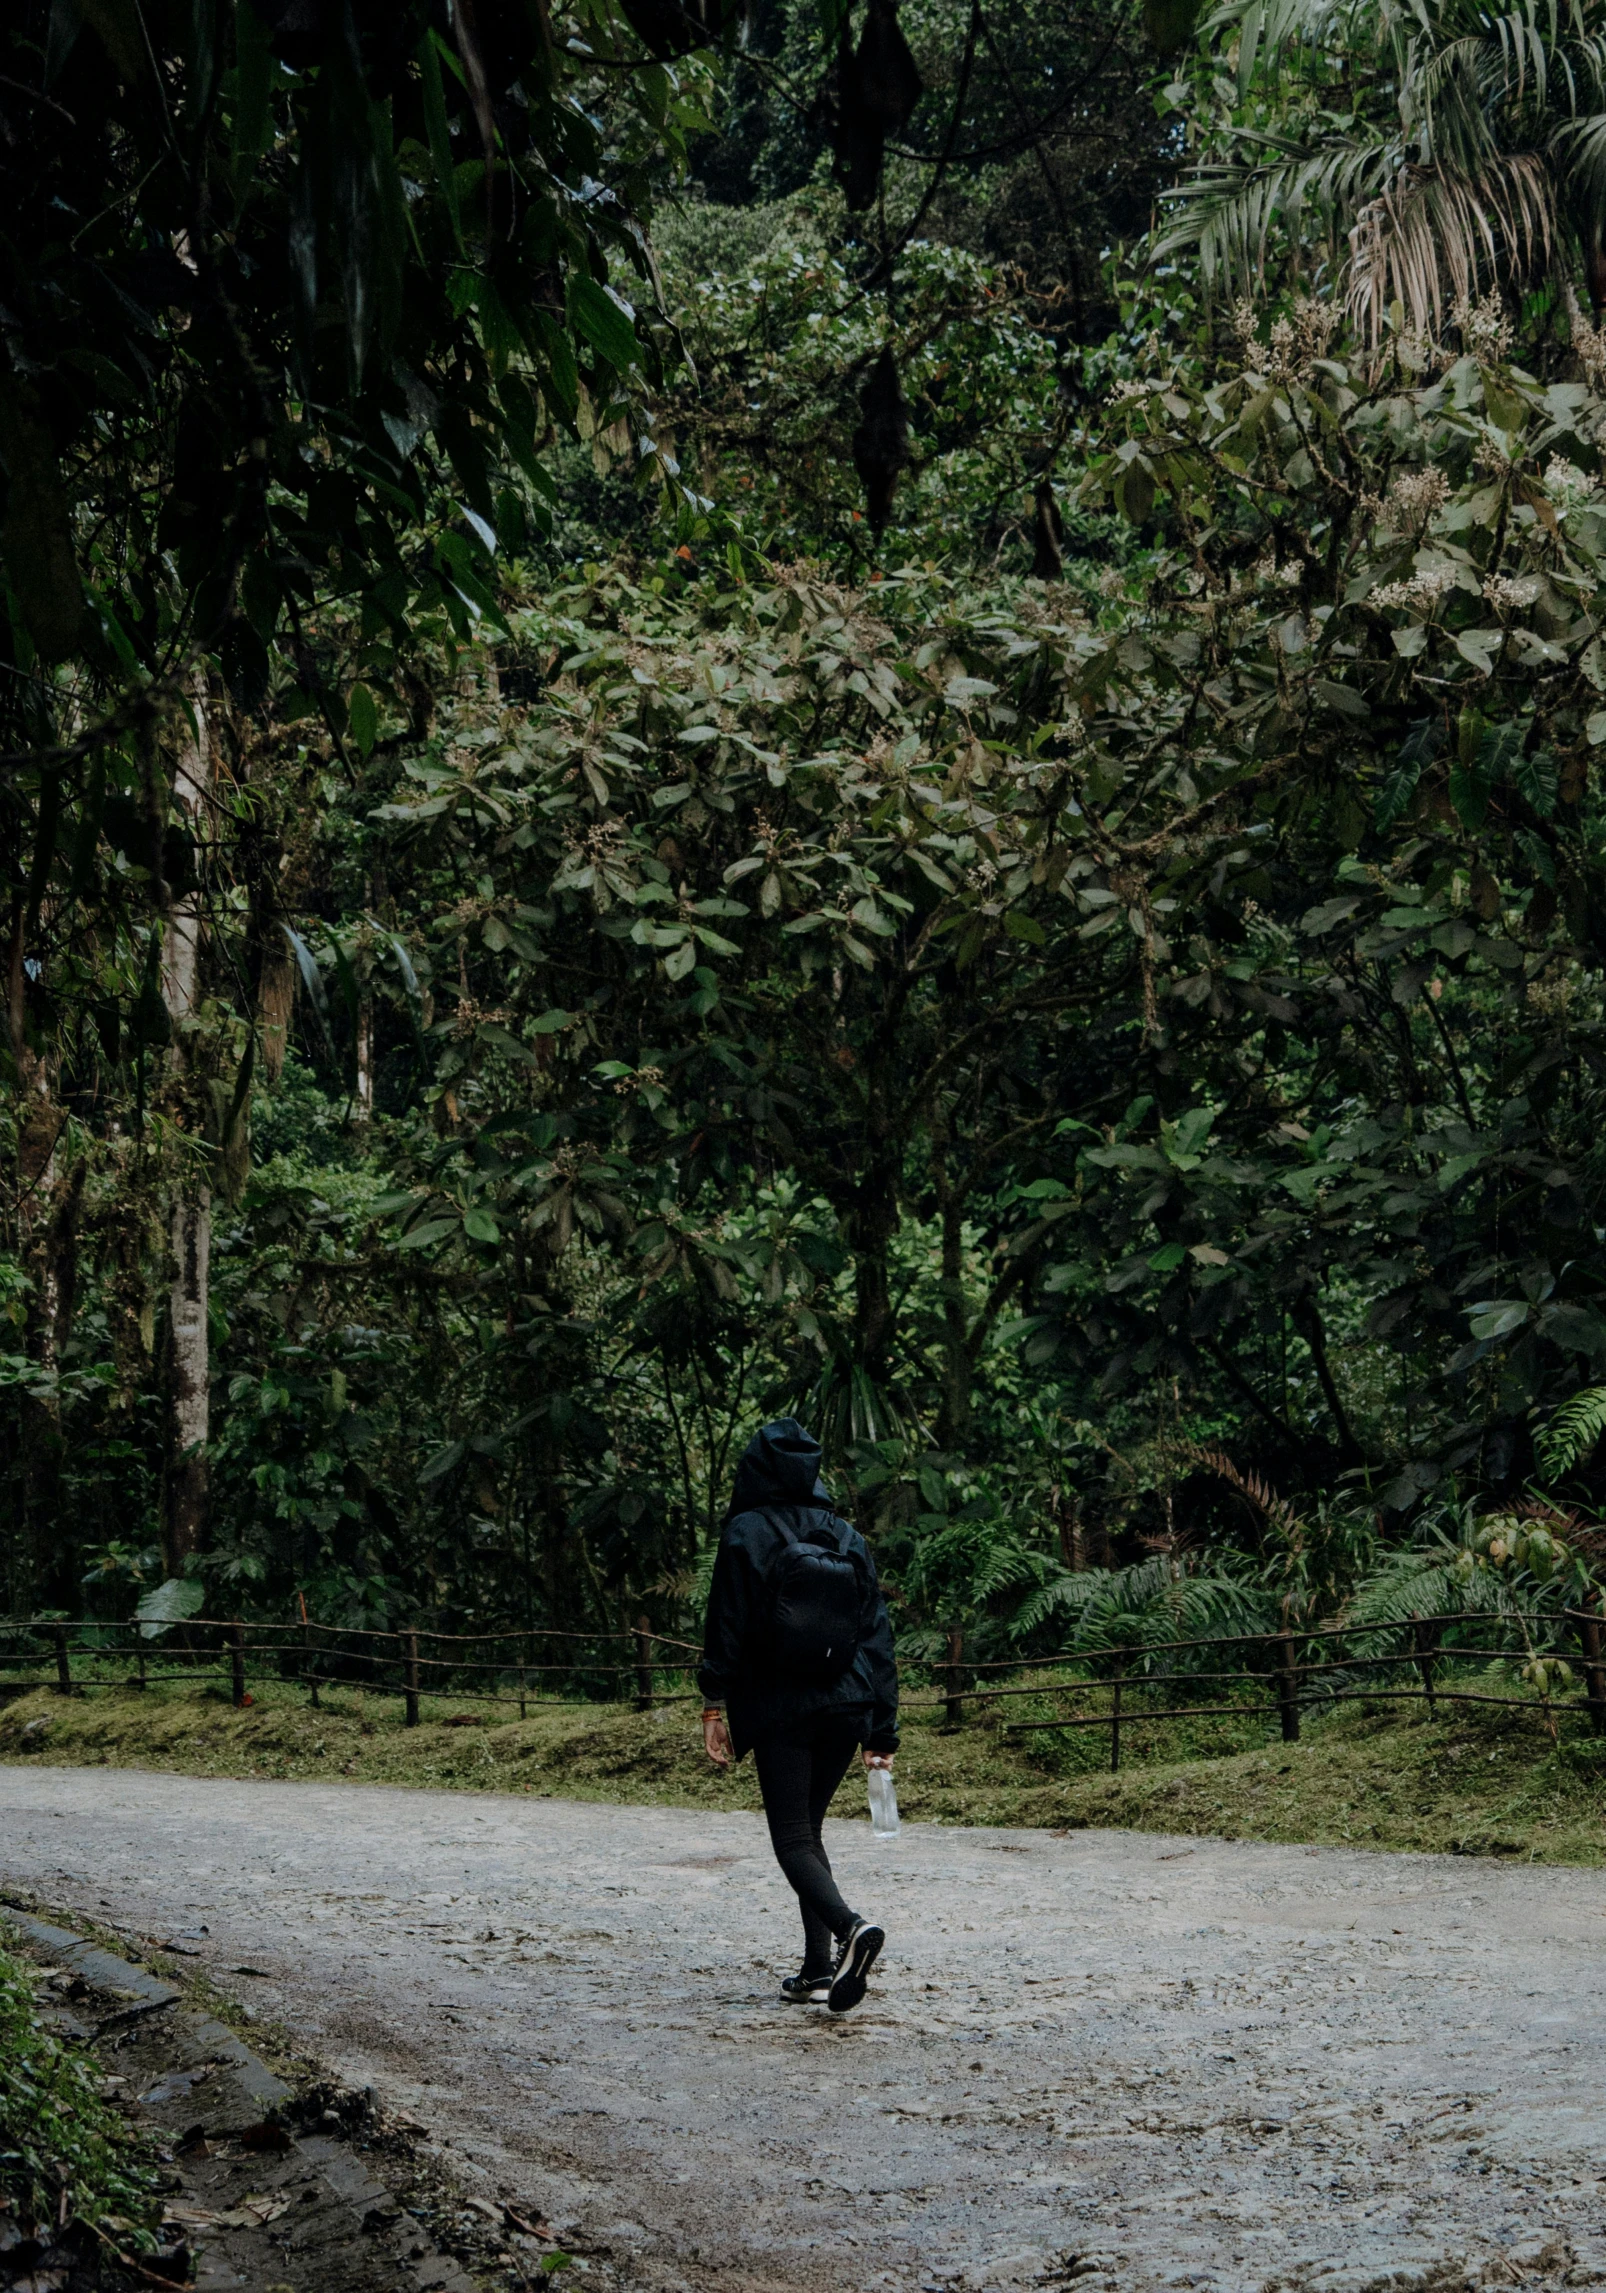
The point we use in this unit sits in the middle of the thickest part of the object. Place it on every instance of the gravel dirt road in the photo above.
(1106, 2059)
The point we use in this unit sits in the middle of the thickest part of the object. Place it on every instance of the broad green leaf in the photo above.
(603, 320)
(1470, 789)
(1020, 926)
(1134, 493)
(1498, 1317)
(1321, 919)
(172, 1602)
(1479, 646)
(1343, 700)
(1535, 779)
(436, 1467)
(312, 981)
(431, 1230)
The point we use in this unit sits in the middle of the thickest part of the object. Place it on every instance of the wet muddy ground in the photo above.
(1107, 2059)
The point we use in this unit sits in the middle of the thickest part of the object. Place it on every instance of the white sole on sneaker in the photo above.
(848, 1983)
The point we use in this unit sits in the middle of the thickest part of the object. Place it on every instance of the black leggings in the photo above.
(797, 1774)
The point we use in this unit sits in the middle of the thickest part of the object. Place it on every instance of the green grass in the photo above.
(1477, 1779)
(66, 2155)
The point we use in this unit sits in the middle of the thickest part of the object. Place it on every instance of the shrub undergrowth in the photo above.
(66, 2154)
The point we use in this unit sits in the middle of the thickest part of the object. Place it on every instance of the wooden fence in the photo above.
(1295, 1672)
(496, 1667)
(1279, 1675)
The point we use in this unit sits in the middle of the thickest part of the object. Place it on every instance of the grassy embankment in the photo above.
(1474, 1779)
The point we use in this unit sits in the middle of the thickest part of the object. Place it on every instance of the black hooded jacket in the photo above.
(779, 1478)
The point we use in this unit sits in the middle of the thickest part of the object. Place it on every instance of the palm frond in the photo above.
(1500, 139)
(1266, 27)
(1524, 45)
(1455, 93)
(1578, 148)
(1429, 241)
(1586, 66)
(1227, 213)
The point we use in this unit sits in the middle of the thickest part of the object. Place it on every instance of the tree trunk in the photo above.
(954, 1418)
(1307, 1320)
(189, 1362)
(190, 1375)
(56, 1525)
(39, 1122)
(192, 773)
(873, 1225)
(363, 1090)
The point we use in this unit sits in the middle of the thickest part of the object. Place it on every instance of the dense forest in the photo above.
(893, 715)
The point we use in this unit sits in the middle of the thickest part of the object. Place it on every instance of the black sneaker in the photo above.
(860, 1948)
(806, 1989)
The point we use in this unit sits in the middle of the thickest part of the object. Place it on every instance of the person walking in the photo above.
(798, 1666)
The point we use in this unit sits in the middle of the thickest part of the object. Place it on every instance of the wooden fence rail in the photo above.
(1289, 1673)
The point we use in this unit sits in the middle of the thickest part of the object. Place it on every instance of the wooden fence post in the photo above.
(1425, 1639)
(412, 1679)
(643, 1665)
(237, 1662)
(1594, 1674)
(63, 1665)
(955, 1713)
(307, 1664)
(1288, 1687)
(1115, 1716)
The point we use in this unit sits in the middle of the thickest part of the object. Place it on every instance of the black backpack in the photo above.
(817, 1597)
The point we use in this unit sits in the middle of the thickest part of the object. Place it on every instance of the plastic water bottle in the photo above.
(883, 1804)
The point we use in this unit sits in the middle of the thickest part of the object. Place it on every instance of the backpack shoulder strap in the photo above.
(852, 1548)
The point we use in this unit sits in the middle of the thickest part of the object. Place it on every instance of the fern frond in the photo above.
(1572, 1433)
(1275, 1511)
(1413, 1585)
(1143, 1606)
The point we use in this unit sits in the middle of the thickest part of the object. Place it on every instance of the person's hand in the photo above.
(717, 1739)
(878, 1760)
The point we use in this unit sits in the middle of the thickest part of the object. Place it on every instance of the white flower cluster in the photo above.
(1128, 388)
(1287, 576)
(1421, 593)
(1316, 322)
(1550, 997)
(1589, 344)
(1292, 343)
(1418, 351)
(1483, 326)
(1413, 498)
(1566, 483)
(1511, 593)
